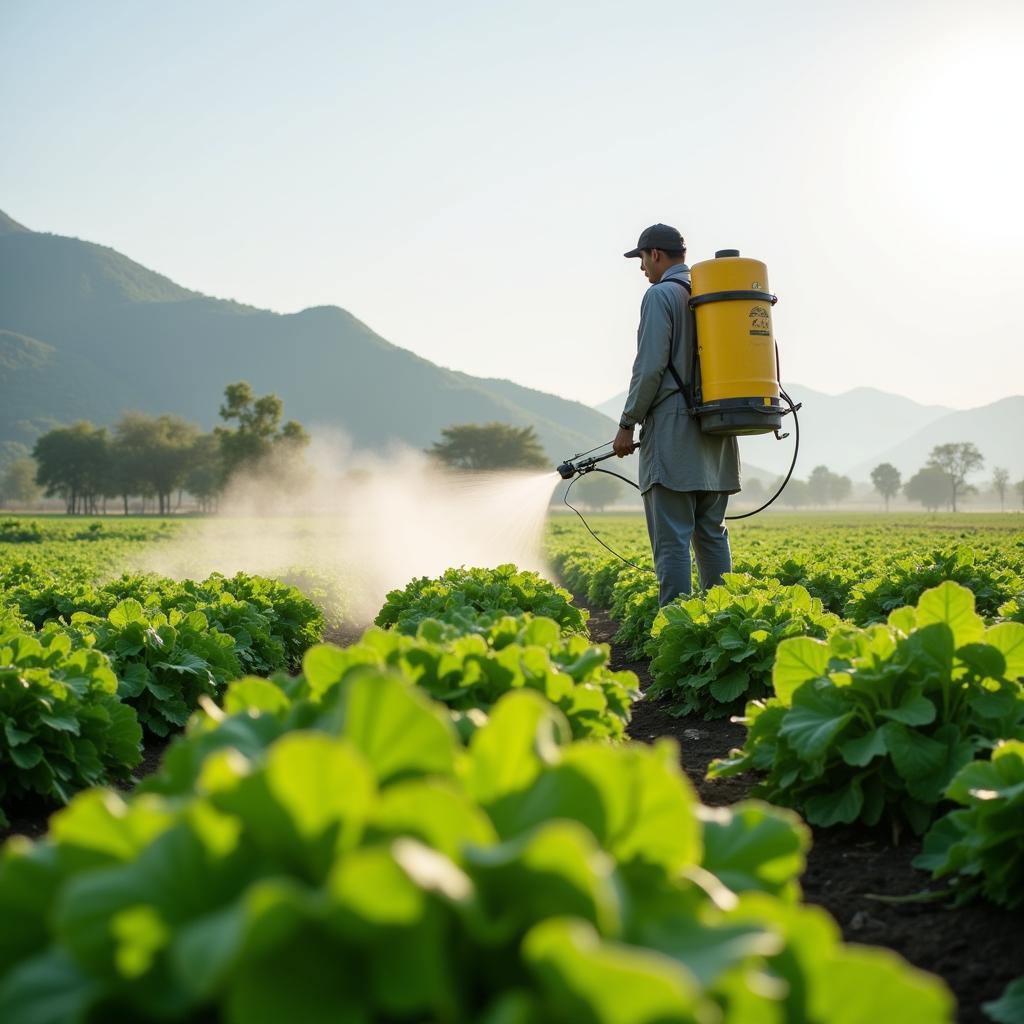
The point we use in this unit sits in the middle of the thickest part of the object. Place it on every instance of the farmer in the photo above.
(686, 476)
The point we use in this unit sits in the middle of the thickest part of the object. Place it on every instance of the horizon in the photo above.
(597, 405)
(493, 164)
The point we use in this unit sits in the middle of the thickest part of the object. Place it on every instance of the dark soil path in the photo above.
(976, 949)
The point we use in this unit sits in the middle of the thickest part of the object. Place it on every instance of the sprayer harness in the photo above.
(692, 398)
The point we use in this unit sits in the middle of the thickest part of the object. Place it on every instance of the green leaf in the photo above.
(318, 781)
(730, 686)
(753, 846)
(47, 989)
(398, 730)
(984, 660)
(434, 811)
(797, 660)
(1009, 1007)
(914, 709)
(862, 750)
(917, 757)
(522, 733)
(126, 612)
(585, 979)
(309, 978)
(252, 694)
(951, 604)
(27, 756)
(62, 723)
(840, 806)
(865, 984)
(818, 714)
(1008, 639)
(557, 869)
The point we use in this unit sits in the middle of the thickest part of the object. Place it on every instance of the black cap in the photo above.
(657, 236)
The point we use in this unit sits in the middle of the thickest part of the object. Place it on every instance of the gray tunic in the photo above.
(673, 450)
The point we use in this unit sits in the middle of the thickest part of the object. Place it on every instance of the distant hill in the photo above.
(853, 432)
(87, 333)
(997, 430)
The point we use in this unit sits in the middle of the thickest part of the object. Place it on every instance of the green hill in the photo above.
(87, 333)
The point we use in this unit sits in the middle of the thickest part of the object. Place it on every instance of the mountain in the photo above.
(853, 432)
(997, 430)
(87, 333)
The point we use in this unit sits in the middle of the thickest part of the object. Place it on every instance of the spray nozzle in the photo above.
(571, 467)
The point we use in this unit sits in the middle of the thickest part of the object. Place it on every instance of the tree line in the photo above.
(942, 481)
(155, 457)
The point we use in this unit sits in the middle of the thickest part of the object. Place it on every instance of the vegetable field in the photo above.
(468, 811)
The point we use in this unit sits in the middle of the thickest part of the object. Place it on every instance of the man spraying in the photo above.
(686, 476)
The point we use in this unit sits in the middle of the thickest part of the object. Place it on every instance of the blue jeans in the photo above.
(677, 519)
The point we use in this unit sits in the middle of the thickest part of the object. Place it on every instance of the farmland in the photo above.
(446, 804)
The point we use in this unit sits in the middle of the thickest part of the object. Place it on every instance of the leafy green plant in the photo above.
(19, 531)
(472, 672)
(878, 721)
(906, 579)
(634, 606)
(504, 589)
(713, 652)
(353, 877)
(982, 844)
(1012, 610)
(62, 727)
(164, 662)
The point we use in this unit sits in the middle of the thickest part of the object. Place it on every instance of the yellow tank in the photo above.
(738, 371)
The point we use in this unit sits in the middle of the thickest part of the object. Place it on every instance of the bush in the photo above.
(457, 591)
(387, 874)
(982, 844)
(713, 652)
(877, 722)
(63, 725)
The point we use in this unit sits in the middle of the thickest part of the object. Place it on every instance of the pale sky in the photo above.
(464, 176)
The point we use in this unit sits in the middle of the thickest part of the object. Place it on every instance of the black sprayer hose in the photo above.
(746, 515)
(792, 465)
(565, 499)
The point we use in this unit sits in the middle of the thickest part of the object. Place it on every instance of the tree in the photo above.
(886, 478)
(957, 460)
(1020, 490)
(1000, 481)
(824, 486)
(259, 432)
(930, 486)
(599, 490)
(795, 494)
(18, 484)
(491, 446)
(73, 463)
(818, 485)
(839, 488)
(151, 455)
(205, 474)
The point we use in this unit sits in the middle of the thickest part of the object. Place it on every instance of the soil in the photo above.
(976, 949)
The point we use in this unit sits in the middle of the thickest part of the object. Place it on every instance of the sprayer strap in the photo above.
(688, 393)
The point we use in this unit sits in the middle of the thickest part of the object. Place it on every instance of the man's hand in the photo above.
(623, 444)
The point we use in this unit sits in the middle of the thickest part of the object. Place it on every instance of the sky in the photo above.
(464, 176)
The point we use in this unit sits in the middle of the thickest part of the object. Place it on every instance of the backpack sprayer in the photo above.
(734, 388)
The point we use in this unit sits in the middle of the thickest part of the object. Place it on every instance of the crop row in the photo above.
(848, 723)
(414, 829)
(82, 667)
